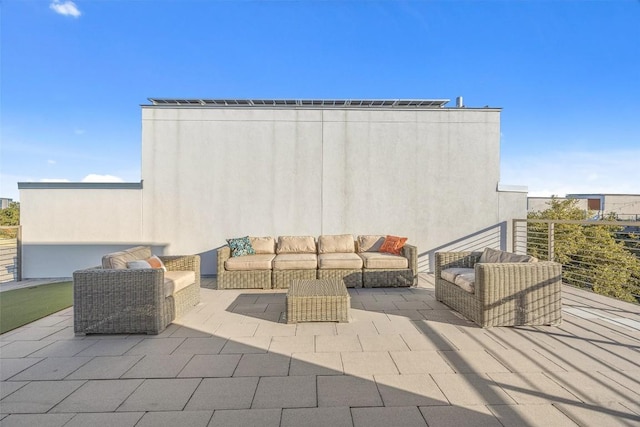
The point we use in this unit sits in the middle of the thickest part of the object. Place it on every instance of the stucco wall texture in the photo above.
(213, 173)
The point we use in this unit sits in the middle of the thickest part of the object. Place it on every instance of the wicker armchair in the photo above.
(506, 294)
(118, 301)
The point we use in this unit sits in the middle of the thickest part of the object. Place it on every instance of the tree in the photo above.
(9, 216)
(591, 255)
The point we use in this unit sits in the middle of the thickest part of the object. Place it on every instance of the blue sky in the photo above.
(565, 73)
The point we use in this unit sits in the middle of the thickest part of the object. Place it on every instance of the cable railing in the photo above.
(10, 253)
(602, 256)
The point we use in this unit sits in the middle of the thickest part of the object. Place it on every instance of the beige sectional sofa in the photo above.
(127, 294)
(276, 262)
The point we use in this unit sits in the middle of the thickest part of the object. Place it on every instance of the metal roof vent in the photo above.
(459, 102)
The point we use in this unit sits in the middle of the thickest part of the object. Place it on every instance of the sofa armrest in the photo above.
(536, 282)
(183, 263)
(102, 295)
(224, 253)
(410, 252)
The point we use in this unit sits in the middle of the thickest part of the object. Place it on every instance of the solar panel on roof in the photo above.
(354, 103)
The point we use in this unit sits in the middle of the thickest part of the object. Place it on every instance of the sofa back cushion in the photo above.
(494, 255)
(118, 260)
(342, 243)
(263, 245)
(370, 242)
(296, 245)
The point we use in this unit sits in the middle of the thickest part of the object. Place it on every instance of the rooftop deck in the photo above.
(403, 359)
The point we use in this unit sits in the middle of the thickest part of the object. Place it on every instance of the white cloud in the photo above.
(92, 177)
(51, 162)
(552, 173)
(66, 8)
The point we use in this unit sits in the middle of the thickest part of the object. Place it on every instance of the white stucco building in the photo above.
(624, 206)
(216, 169)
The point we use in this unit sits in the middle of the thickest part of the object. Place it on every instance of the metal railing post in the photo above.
(550, 241)
(19, 253)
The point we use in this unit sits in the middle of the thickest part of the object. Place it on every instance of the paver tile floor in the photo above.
(404, 359)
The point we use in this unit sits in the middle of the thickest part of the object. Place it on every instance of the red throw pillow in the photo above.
(393, 245)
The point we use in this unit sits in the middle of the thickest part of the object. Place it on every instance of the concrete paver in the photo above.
(407, 360)
(317, 417)
(161, 395)
(343, 390)
(98, 396)
(409, 416)
(223, 393)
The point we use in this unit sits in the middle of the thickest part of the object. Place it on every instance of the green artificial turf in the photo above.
(21, 306)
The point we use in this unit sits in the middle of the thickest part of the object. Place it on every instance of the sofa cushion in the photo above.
(295, 262)
(250, 262)
(263, 245)
(382, 260)
(175, 281)
(138, 265)
(342, 243)
(370, 242)
(467, 281)
(493, 255)
(449, 274)
(393, 244)
(240, 246)
(296, 245)
(344, 261)
(118, 260)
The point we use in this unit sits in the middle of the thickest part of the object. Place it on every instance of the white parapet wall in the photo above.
(210, 173)
(69, 226)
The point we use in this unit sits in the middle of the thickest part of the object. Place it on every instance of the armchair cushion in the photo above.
(494, 255)
(450, 274)
(175, 281)
(467, 281)
(118, 260)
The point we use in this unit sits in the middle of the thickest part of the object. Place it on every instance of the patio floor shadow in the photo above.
(403, 359)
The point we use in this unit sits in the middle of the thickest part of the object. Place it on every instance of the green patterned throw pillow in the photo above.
(240, 246)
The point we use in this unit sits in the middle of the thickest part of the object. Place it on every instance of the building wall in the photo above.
(66, 227)
(430, 175)
(209, 174)
(537, 204)
(626, 206)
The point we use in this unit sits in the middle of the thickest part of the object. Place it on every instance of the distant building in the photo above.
(624, 206)
(5, 202)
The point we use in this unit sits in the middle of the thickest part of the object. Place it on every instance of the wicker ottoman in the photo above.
(318, 300)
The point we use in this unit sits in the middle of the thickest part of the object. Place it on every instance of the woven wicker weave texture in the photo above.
(318, 300)
(110, 301)
(506, 294)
